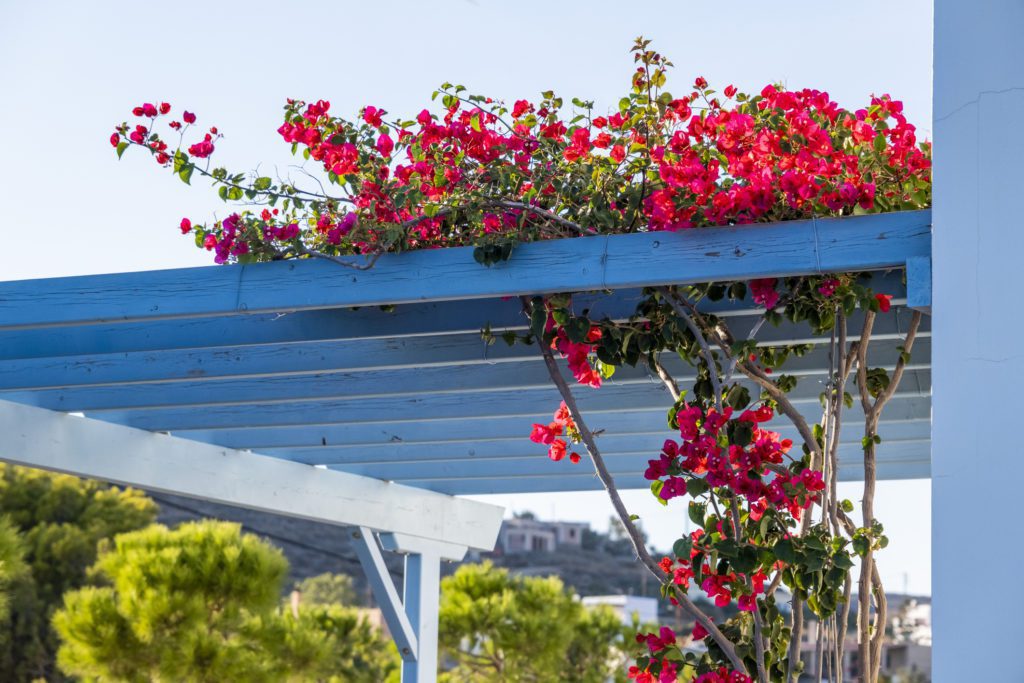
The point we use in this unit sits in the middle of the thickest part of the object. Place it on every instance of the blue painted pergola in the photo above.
(286, 387)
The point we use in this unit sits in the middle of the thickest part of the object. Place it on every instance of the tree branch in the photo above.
(709, 358)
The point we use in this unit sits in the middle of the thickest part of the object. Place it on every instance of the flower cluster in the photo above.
(477, 172)
(746, 469)
(549, 435)
(663, 659)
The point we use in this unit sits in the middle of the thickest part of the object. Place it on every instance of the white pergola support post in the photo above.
(422, 596)
(413, 620)
(976, 349)
(384, 592)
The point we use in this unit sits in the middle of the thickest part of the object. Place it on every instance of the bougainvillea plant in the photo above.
(478, 172)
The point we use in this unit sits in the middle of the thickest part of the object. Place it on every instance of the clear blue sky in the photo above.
(71, 70)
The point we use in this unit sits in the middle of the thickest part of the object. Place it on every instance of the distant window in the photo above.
(539, 543)
(572, 533)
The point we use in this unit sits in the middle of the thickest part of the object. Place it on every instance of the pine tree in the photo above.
(203, 603)
(60, 519)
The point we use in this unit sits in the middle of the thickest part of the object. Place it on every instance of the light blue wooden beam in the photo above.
(527, 403)
(616, 262)
(444, 317)
(519, 446)
(919, 283)
(377, 383)
(538, 464)
(583, 479)
(268, 360)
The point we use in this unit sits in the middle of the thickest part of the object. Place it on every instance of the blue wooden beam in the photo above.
(538, 464)
(461, 434)
(464, 379)
(443, 317)
(617, 443)
(691, 256)
(919, 283)
(532, 403)
(345, 355)
(581, 478)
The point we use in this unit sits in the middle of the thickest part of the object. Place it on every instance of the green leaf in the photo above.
(696, 487)
(121, 147)
(738, 397)
(262, 183)
(186, 173)
(656, 487)
(682, 547)
(784, 551)
(696, 512)
(879, 144)
(842, 560)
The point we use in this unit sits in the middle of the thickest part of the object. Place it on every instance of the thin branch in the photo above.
(667, 379)
(543, 213)
(901, 364)
(785, 406)
(709, 358)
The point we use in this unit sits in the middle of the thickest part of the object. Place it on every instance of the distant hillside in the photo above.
(603, 566)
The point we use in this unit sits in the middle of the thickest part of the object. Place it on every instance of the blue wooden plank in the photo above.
(461, 433)
(444, 317)
(616, 262)
(265, 360)
(392, 382)
(583, 479)
(628, 462)
(919, 283)
(648, 444)
(528, 402)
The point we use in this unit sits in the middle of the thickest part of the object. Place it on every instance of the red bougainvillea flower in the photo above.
(545, 434)
(557, 450)
(186, 226)
(202, 149)
(373, 116)
(884, 302)
(188, 117)
(699, 633)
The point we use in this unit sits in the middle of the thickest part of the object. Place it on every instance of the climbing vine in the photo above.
(479, 172)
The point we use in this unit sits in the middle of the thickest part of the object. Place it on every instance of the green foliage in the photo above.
(327, 589)
(12, 562)
(201, 603)
(60, 520)
(499, 627)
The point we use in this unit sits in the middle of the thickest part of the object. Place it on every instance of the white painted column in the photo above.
(978, 341)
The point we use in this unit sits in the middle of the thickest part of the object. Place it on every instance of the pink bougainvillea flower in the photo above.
(385, 144)
(763, 291)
